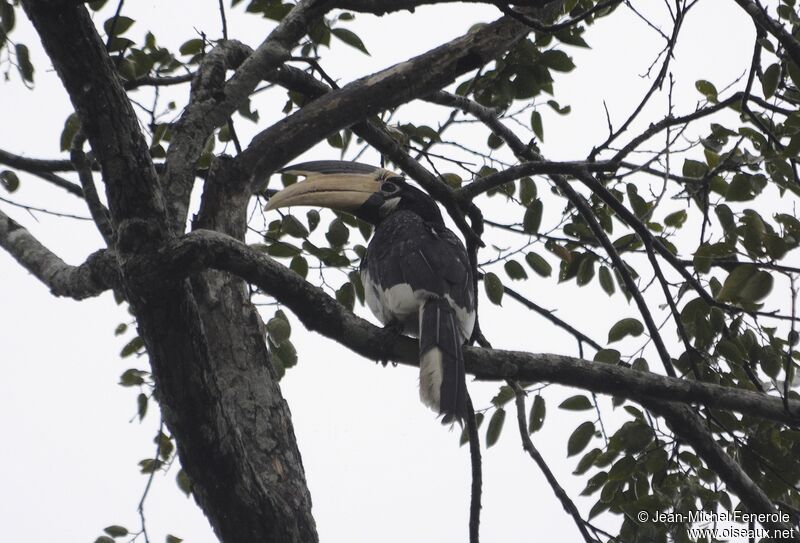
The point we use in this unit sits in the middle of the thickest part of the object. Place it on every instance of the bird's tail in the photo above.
(442, 378)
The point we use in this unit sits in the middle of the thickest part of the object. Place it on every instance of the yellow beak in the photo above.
(343, 192)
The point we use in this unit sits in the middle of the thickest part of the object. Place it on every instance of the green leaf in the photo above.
(735, 282)
(676, 219)
(538, 264)
(173, 539)
(769, 80)
(757, 287)
(293, 227)
(740, 189)
(707, 89)
(279, 330)
(350, 38)
(536, 125)
(578, 402)
(346, 295)
(533, 217)
(132, 377)
(537, 414)
(132, 347)
(515, 270)
(141, 405)
(313, 219)
(299, 265)
(557, 60)
(9, 180)
(191, 47)
(606, 281)
(585, 271)
(503, 396)
(494, 141)
(281, 249)
(580, 438)
(794, 73)
(527, 191)
(694, 168)
(625, 327)
(71, 127)
(7, 18)
(495, 427)
(121, 25)
(608, 356)
(558, 109)
(464, 438)
(338, 233)
(494, 288)
(184, 483)
(24, 62)
(116, 531)
(103, 539)
(622, 469)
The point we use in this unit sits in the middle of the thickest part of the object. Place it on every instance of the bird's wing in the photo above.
(424, 257)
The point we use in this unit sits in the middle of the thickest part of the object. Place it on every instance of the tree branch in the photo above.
(92, 278)
(358, 100)
(43, 169)
(321, 313)
(762, 19)
(530, 448)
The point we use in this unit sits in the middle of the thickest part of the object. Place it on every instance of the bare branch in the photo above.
(530, 448)
(97, 210)
(389, 6)
(538, 26)
(91, 278)
(153, 81)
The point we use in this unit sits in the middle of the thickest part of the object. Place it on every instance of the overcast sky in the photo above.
(379, 466)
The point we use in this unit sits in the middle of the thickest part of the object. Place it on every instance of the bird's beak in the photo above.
(339, 191)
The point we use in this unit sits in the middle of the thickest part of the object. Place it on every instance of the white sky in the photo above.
(380, 468)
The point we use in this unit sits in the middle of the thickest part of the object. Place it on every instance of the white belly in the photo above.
(401, 304)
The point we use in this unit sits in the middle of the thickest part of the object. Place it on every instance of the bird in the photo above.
(416, 273)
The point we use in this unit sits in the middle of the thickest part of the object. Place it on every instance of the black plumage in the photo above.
(416, 272)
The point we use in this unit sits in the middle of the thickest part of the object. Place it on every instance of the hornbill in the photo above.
(416, 272)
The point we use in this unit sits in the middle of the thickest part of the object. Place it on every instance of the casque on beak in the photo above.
(340, 191)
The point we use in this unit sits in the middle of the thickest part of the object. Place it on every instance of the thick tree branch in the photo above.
(321, 313)
(388, 6)
(358, 100)
(92, 278)
(226, 430)
(762, 19)
(214, 100)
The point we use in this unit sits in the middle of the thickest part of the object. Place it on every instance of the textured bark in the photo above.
(205, 341)
(98, 274)
(259, 461)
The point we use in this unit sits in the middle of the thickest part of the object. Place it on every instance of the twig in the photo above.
(527, 444)
(97, 210)
(113, 26)
(224, 21)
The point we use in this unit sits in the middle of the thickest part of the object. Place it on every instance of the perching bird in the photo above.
(416, 272)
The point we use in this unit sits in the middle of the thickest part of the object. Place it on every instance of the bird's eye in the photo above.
(389, 188)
